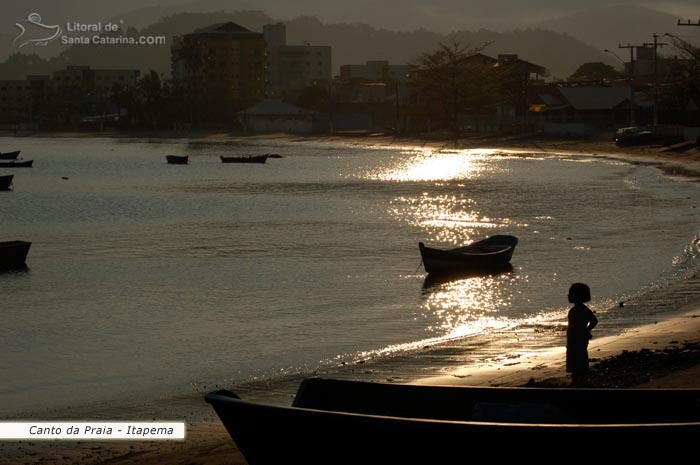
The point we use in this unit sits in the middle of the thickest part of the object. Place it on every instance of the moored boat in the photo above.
(492, 252)
(272, 434)
(9, 155)
(16, 163)
(13, 254)
(177, 159)
(6, 182)
(245, 159)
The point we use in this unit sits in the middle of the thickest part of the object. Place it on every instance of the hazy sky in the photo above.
(439, 15)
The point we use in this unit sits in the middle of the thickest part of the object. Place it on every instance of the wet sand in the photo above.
(663, 354)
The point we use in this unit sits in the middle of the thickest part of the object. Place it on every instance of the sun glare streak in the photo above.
(430, 165)
(450, 218)
(457, 309)
(468, 306)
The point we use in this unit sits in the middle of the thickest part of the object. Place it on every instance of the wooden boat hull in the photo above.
(177, 159)
(493, 252)
(6, 182)
(268, 435)
(13, 254)
(249, 159)
(544, 405)
(16, 164)
(9, 155)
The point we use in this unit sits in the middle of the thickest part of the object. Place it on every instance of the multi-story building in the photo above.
(99, 81)
(15, 101)
(25, 100)
(294, 67)
(376, 71)
(225, 61)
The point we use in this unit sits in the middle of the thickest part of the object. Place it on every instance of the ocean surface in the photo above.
(147, 280)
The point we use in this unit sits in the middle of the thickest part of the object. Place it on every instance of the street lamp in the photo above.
(631, 81)
(680, 40)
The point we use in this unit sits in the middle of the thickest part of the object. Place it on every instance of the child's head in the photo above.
(579, 293)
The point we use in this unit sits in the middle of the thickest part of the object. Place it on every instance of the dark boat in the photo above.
(471, 429)
(177, 159)
(6, 182)
(515, 405)
(248, 159)
(492, 252)
(13, 254)
(9, 155)
(16, 164)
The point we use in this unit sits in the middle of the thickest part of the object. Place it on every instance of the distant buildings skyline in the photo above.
(224, 61)
(291, 68)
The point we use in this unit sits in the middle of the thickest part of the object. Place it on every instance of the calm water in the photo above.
(150, 279)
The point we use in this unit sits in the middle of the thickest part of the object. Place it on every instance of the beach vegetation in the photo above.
(595, 71)
(454, 79)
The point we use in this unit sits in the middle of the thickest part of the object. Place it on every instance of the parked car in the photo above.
(633, 135)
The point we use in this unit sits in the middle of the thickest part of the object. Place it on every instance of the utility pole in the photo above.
(631, 79)
(655, 94)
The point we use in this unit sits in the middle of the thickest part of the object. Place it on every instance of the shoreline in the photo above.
(684, 163)
(207, 442)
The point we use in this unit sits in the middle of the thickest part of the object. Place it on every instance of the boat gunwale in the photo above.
(213, 398)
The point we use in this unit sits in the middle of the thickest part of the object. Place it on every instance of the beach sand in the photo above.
(665, 354)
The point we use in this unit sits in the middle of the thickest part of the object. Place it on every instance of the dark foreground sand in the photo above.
(665, 354)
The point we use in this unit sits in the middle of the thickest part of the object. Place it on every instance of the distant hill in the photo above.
(561, 54)
(357, 43)
(608, 27)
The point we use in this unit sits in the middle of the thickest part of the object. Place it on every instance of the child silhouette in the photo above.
(578, 333)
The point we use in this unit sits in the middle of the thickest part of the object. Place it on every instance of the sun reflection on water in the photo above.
(431, 165)
(444, 209)
(468, 306)
(449, 218)
(455, 309)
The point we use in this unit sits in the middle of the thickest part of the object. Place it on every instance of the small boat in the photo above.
(456, 425)
(492, 252)
(247, 159)
(9, 155)
(16, 164)
(6, 182)
(13, 254)
(177, 159)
